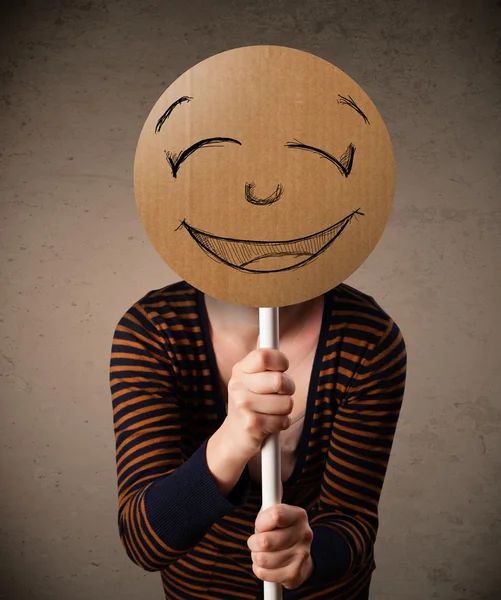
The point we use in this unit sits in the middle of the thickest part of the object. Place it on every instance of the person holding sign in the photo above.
(264, 176)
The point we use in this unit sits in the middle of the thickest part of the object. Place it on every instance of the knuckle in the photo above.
(277, 381)
(308, 536)
(285, 423)
(301, 514)
(260, 359)
(244, 400)
(235, 382)
(252, 422)
(284, 361)
(278, 514)
(261, 560)
(302, 555)
(265, 544)
(239, 396)
(233, 385)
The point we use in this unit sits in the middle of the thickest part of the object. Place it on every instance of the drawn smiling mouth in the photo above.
(267, 256)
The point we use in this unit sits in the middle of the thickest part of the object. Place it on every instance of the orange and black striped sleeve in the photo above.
(345, 518)
(165, 504)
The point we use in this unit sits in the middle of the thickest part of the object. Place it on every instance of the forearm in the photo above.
(161, 524)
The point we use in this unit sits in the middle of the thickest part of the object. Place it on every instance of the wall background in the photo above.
(77, 80)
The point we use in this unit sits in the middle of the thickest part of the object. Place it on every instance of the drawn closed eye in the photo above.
(176, 158)
(344, 164)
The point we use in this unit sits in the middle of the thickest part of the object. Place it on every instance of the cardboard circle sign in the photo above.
(264, 176)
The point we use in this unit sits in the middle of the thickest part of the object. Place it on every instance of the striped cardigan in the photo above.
(167, 403)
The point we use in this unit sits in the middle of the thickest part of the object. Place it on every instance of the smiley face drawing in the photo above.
(264, 176)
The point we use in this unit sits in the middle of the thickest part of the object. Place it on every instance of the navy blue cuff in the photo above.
(182, 506)
(331, 555)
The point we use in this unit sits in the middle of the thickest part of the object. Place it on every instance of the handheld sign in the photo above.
(264, 176)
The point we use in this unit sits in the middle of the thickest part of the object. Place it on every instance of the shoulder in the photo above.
(179, 297)
(371, 349)
(164, 310)
(359, 316)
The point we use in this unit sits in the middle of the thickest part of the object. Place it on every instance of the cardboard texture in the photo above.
(264, 176)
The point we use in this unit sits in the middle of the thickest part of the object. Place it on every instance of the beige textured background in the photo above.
(77, 81)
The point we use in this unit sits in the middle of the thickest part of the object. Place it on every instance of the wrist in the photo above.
(225, 464)
(231, 444)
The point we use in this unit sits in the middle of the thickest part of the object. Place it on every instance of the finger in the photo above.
(273, 575)
(278, 515)
(273, 541)
(269, 382)
(269, 404)
(273, 560)
(296, 568)
(264, 359)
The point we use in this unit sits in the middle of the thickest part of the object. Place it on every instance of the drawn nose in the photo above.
(251, 197)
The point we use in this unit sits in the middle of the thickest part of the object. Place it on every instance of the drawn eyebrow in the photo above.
(167, 113)
(344, 164)
(350, 102)
(175, 159)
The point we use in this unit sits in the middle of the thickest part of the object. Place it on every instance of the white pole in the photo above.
(270, 453)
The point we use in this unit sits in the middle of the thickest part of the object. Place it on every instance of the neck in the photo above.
(230, 319)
